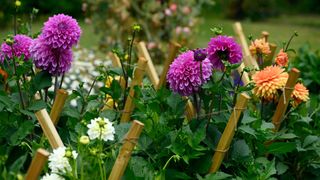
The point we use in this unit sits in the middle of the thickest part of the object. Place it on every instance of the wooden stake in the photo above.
(151, 71)
(285, 98)
(248, 60)
(58, 105)
(137, 79)
(269, 58)
(116, 63)
(124, 156)
(265, 35)
(228, 133)
(173, 50)
(115, 59)
(37, 164)
(49, 129)
(245, 77)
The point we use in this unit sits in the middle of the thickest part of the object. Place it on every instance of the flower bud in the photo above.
(68, 154)
(9, 41)
(84, 140)
(18, 3)
(136, 27)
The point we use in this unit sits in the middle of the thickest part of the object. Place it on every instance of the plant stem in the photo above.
(61, 82)
(287, 46)
(17, 81)
(261, 109)
(165, 166)
(85, 99)
(236, 89)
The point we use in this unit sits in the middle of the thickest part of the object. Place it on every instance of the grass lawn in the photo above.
(280, 29)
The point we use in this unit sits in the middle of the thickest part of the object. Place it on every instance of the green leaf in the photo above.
(281, 147)
(247, 118)
(281, 168)
(240, 150)
(309, 140)
(40, 81)
(37, 105)
(216, 176)
(269, 170)
(266, 125)
(71, 112)
(18, 164)
(287, 136)
(248, 129)
(7, 102)
(24, 129)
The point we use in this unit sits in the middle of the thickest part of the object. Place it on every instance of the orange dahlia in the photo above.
(259, 46)
(282, 59)
(268, 81)
(300, 94)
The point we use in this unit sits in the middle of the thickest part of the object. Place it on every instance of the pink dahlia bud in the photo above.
(200, 54)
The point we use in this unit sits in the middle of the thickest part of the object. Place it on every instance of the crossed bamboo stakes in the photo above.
(145, 64)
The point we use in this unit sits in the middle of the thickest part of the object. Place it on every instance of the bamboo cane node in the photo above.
(132, 140)
(222, 150)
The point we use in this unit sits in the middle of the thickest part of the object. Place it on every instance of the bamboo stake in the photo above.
(248, 60)
(269, 58)
(115, 60)
(173, 50)
(49, 129)
(37, 164)
(265, 35)
(116, 63)
(285, 98)
(137, 79)
(151, 71)
(245, 77)
(228, 133)
(125, 152)
(58, 105)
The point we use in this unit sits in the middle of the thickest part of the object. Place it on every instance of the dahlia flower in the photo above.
(101, 128)
(300, 94)
(259, 46)
(55, 61)
(19, 47)
(268, 81)
(184, 74)
(61, 31)
(52, 177)
(59, 160)
(282, 59)
(223, 48)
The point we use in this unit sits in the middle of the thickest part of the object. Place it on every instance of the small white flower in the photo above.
(59, 160)
(52, 177)
(101, 128)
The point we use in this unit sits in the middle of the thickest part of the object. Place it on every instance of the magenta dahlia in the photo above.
(184, 74)
(19, 47)
(223, 48)
(61, 31)
(54, 60)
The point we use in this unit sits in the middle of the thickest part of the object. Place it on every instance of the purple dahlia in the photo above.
(184, 73)
(54, 60)
(19, 47)
(61, 31)
(223, 48)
